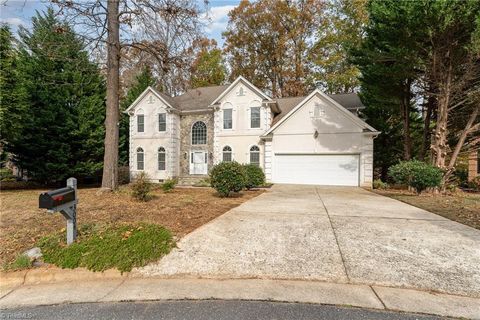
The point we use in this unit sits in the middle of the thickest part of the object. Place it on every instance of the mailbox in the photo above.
(65, 201)
(55, 198)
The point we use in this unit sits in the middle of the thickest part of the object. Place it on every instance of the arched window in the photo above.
(199, 133)
(227, 154)
(140, 159)
(255, 155)
(161, 158)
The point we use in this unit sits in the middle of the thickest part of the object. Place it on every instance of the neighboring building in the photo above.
(474, 165)
(317, 139)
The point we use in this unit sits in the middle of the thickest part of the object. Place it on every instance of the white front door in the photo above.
(198, 162)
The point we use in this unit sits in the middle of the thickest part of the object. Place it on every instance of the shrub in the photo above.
(141, 187)
(416, 174)
(254, 176)
(168, 185)
(379, 184)
(474, 183)
(227, 177)
(6, 175)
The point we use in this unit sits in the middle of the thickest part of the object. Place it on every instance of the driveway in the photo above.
(335, 234)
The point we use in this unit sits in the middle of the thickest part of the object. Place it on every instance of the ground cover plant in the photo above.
(127, 246)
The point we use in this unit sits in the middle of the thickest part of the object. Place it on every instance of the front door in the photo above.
(198, 162)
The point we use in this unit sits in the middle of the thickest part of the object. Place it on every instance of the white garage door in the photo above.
(333, 170)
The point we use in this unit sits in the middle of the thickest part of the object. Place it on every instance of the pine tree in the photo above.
(62, 128)
(12, 95)
(142, 81)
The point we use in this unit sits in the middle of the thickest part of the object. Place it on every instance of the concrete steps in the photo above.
(190, 180)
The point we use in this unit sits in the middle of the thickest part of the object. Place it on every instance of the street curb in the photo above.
(10, 280)
(71, 286)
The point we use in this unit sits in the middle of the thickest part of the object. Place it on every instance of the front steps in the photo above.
(190, 180)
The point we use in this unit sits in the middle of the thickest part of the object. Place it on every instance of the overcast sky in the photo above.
(19, 12)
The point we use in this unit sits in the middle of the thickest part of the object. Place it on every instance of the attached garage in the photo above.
(317, 169)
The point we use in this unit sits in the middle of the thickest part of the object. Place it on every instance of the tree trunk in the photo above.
(459, 145)
(426, 128)
(405, 106)
(110, 160)
(440, 145)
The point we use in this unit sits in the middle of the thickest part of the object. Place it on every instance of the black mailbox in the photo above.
(55, 198)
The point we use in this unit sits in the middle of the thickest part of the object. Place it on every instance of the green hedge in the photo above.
(227, 177)
(254, 176)
(416, 174)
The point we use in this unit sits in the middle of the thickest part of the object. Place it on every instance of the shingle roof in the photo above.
(350, 101)
(166, 98)
(199, 98)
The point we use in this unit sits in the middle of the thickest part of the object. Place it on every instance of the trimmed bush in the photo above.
(254, 176)
(416, 174)
(227, 177)
(474, 183)
(141, 187)
(169, 185)
(379, 184)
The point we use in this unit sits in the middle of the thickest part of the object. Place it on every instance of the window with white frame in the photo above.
(227, 119)
(255, 155)
(161, 158)
(162, 122)
(199, 133)
(140, 159)
(255, 117)
(227, 154)
(140, 123)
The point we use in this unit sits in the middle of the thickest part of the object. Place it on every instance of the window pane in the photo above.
(162, 122)
(161, 160)
(140, 162)
(255, 117)
(227, 119)
(140, 123)
(199, 133)
(255, 155)
(227, 156)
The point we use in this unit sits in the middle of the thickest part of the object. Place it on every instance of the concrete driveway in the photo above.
(335, 234)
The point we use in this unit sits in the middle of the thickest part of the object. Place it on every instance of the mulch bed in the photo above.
(460, 206)
(22, 224)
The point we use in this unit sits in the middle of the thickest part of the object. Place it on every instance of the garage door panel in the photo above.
(340, 170)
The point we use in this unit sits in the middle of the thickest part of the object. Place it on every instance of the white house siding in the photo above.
(268, 160)
(151, 139)
(241, 137)
(337, 134)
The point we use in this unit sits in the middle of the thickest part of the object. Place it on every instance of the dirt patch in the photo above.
(182, 210)
(461, 207)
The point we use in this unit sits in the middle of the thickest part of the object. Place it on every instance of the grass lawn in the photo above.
(181, 211)
(462, 207)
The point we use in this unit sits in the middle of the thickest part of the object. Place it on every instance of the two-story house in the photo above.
(315, 139)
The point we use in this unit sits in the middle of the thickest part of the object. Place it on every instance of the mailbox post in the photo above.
(65, 201)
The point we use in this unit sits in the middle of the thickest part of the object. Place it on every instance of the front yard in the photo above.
(181, 211)
(461, 207)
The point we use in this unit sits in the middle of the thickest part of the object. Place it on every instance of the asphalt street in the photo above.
(199, 310)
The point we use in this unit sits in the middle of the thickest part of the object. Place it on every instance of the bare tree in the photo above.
(161, 28)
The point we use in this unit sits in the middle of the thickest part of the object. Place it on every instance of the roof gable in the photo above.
(295, 104)
(161, 96)
(246, 83)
